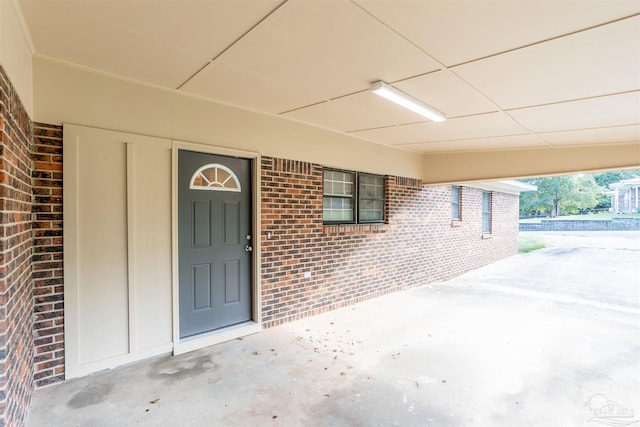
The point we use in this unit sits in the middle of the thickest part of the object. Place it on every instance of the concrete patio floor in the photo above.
(539, 339)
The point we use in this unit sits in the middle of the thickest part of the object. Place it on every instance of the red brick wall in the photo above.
(47, 255)
(16, 245)
(419, 244)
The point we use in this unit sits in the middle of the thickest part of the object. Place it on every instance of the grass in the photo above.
(591, 217)
(529, 243)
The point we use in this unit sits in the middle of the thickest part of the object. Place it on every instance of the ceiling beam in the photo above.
(447, 168)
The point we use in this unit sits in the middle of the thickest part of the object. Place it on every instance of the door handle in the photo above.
(248, 248)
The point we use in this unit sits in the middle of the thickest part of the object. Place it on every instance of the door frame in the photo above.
(184, 345)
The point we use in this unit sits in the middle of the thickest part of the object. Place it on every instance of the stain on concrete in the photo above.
(92, 394)
(561, 252)
(178, 368)
(373, 402)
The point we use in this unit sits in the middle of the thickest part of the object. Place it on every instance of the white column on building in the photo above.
(627, 201)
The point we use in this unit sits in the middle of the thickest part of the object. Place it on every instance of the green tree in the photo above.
(606, 178)
(535, 202)
(560, 195)
(530, 202)
(585, 195)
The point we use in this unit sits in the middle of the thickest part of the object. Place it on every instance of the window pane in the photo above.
(372, 210)
(348, 188)
(455, 211)
(371, 198)
(486, 202)
(455, 202)
(214, 177)
(371, 186)
(337, 209)
(372, 190)
(338, 183)
(486, 212)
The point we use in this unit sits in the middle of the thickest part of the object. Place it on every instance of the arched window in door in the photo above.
(215, 177)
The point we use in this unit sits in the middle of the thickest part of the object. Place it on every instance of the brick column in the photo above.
(47, 257)
(16, 245)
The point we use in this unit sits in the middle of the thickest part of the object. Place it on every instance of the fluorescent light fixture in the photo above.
(401, 98)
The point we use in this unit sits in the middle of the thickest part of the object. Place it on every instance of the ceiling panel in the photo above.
(239, 87)
(446, 92)
(203, 27)
(570, 69)
(458, 31)
(484, 125)
(600, 61)
(94, 43)
(363, 110)
(496, 143)
(330, 48)
(594, 136)
(338, 115)
(615, 110)
(388, 112)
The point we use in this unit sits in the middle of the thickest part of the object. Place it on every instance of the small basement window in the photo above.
(353, 197)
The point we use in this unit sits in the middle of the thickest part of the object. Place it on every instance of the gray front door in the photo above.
(214, 241)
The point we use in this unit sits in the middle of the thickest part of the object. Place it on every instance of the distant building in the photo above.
(624, 196)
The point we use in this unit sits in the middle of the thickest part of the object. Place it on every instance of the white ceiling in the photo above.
(508, 74)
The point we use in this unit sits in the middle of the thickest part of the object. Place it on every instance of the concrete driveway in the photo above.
(540, 339)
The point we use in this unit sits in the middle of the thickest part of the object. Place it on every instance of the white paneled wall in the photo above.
(117, 245)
